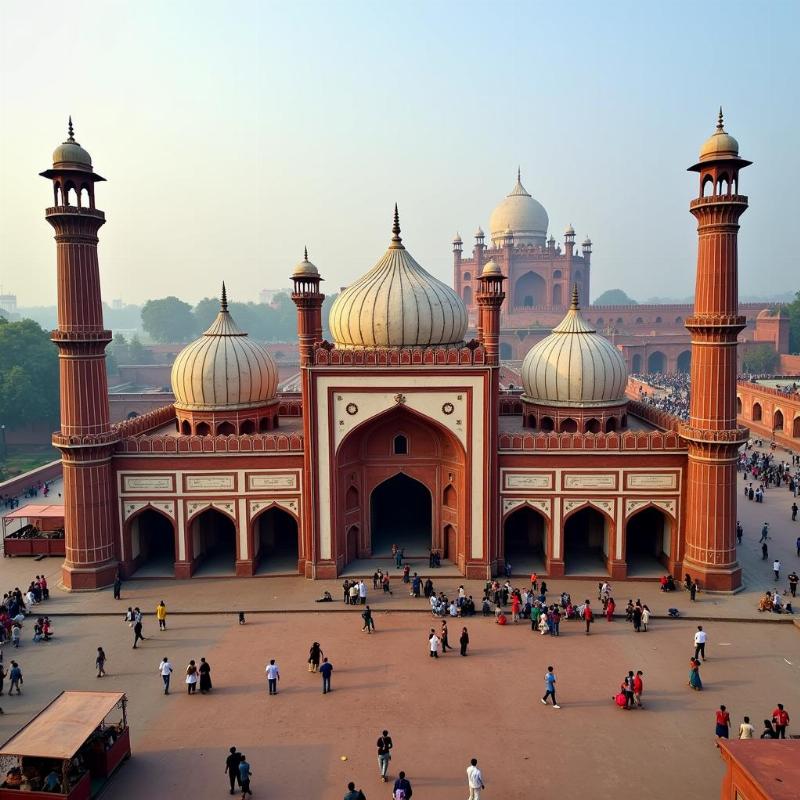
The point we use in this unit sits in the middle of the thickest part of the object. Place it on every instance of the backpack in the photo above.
(400, 794)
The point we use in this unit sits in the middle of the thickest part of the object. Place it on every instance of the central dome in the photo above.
(574, 366)
(525, 216)
(397, 304)
(223, 369)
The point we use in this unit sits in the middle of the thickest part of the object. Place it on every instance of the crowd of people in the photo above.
(673, 395)
(34, 490)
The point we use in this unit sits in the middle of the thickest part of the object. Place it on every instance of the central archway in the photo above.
(275, 542)
(213, 540)
(530, 290)
(152, 544)
(400, 513)
(524, 539)
(586, 543)
(647, 543)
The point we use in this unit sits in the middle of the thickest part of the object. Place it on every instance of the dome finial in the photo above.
(70, 130)
(396, 240)
(573, 306)
(720, 121)
(305, 253)
(223, 305)
(519, 174)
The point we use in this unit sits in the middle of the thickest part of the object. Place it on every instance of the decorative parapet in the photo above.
(771, 390)
(655, 416)
(473, 355)
(64, 440)
(716, 321)
(625, 441)
(76, 210)
(146, 422)
(737, 435)
(201, 445)
(719, 200)
(290, 406)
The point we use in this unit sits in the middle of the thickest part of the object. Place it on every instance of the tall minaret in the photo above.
(712, 434)
(86, 439)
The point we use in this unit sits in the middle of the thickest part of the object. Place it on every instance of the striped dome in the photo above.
(574, 366)
(397, 304)
(223, 369)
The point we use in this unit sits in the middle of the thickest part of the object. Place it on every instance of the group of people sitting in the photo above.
(461, 606)
(772, 601)
(15, 605)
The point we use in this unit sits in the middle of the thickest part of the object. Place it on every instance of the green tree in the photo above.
(138, 353)
(168, 320)
(614, 297)
(28, 375)
(793, 310)
(760, 359)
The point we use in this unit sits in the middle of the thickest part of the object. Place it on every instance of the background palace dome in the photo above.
(397, 304)
(574, 366)
(223, 369)
(525, 216)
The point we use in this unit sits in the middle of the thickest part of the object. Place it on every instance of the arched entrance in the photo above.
(685, 361)
(400, 513)
(152, 537)
(656, 362)
(530, 290)
(756, 412)
(647, 543)
(524, 538)
(506, 351)
(777, 420)
(212, 536)
(586, 540)
(636, 363)
(275, 542)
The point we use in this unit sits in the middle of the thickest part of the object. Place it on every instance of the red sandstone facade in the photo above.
(432, 416)
(769, 413)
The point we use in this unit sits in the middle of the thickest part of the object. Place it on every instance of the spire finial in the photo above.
(223, 305)
(305, 253)
(573, 306)
(396, 240)
(519, 175)
(70, 130)
(720, 122)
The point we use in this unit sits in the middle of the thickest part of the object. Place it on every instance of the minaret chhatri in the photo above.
(712, 434)
(86, 439)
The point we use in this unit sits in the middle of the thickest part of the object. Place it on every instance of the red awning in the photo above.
(32, 511)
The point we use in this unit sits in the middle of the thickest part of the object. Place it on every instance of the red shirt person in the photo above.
(781, 720)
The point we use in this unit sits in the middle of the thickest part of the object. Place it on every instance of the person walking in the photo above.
(137, 630)
(244, 776)
(746, 730)
(464, 641)
(781, 720)
(794, 512)
(638, 688)
(443, 635)
(385, 746)
(117, 586)
(191, 677)
(402, 787)
(232, 768)
(474, 780)
(204, 670)
(723, 723)
(588, 615)
(693, 591)
(369, 624)
(100, 662)
(793, 583)
(15, 676)
(165, 670)
(776, 568)
(433, 644)
(645, 618)
(273, 676)
(161, 616)
(314, 655)
(764, 552)
(550, 687)
(353, 793)
(637, 618)
(700, 639)
(326, 668)
(694, 675)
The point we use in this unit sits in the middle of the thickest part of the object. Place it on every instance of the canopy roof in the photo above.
(60, 730)
(33, 511)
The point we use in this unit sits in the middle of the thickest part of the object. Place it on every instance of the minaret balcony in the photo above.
(719, 199)
(76, 210)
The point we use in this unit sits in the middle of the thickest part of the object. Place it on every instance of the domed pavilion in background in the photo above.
(400, 433)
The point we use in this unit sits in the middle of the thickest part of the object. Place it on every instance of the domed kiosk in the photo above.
(225, 383)
(397, 304)
(574, 380)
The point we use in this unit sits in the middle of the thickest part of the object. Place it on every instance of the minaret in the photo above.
(490, 298)
(86, 439)
(712, 434)
(308, 299)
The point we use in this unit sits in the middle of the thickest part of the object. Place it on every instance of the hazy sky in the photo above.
(232, 134)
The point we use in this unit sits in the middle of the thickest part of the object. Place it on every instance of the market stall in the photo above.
(41, 531)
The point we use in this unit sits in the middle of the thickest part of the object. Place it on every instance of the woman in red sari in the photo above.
(610, 609)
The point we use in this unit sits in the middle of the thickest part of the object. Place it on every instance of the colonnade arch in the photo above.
(276, 543)
(152, 543)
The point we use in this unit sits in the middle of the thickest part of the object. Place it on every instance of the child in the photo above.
(16, 632)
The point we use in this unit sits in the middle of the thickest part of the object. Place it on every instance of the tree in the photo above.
(614, 297)
(138, 353)
(28, 375)
(793, 310)
(760, 359)
(169, 320)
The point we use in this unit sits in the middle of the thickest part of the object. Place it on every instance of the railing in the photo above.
(200, 445)
(146, 422)
(625, 441)
(718, 199)
(770, 390)
(655, 416)
(81, 210)
(402, 356)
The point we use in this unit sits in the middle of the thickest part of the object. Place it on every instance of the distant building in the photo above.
(267, 296)
(8, 305)
(117, 304)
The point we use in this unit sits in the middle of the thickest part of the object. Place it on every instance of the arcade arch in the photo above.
(275, 541)
(152, 543)
(525, 539)
(648, 535)
(212, 538)
(656, 362)
(684, 362)
(586, 542)
(530, 290)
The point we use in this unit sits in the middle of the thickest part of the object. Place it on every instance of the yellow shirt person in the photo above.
(161, 616)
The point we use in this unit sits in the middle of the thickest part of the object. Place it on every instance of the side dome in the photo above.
(223, 369)
(397, 304)
(525, 216)
(574, 366)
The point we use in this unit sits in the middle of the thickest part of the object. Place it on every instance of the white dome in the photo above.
(525, 216)
(70, 154)
(719, 143)
(397, 304)
(574, 366)
(305, 268)
(223, 369)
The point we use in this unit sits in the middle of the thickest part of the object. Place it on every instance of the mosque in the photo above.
(401, 432)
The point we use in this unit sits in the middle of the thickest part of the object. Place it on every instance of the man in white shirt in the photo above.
(746, 730)
(700, 642)
(776, 568)
(474, 780)
(165, 670)
(433, 643)
(362, 592)
(273, 676)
